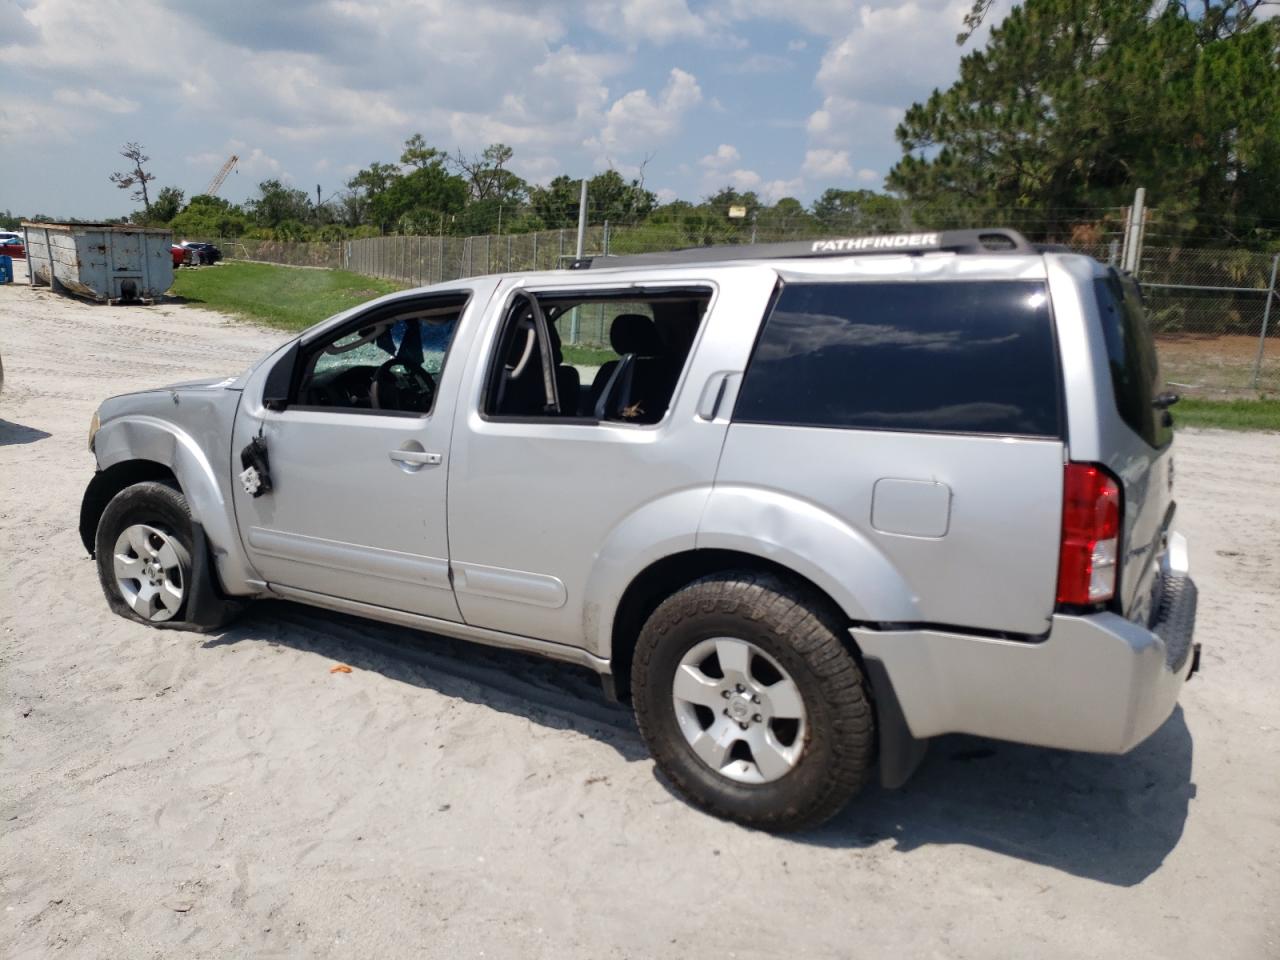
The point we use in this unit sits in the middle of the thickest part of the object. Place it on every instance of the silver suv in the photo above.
(821, 501)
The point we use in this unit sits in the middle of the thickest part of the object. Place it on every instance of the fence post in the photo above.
(1266, 316)
(535, 249)
(1133, 235)
(582, 219)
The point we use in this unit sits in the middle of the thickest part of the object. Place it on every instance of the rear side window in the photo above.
(1131, 355)
(952, 357)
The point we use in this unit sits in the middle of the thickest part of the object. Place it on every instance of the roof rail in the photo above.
(990, 240)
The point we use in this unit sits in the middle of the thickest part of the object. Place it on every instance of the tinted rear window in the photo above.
(1131, 355)
(955, 357)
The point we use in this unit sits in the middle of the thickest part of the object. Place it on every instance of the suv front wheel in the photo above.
(751, 704)
(144, 553)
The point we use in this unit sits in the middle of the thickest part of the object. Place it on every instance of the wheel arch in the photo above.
(145, 447)
(665, 576)
(899, 753)
(107, 483)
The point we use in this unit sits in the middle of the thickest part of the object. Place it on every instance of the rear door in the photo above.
(539, 501)
(926, 416)
(1139, 438)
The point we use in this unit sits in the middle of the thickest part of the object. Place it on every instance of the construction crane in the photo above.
(216, 183)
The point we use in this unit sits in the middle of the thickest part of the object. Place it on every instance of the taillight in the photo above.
(1090, 535)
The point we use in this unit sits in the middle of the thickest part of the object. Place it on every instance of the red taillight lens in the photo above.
(1090, 535)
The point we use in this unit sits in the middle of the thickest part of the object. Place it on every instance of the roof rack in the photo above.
(992, 240)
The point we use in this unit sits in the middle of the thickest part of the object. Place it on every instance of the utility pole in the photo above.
(582, 219)
(1132, 255)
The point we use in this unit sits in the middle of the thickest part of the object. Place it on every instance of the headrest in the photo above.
(635, 333)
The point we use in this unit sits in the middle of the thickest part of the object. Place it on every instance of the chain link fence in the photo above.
(1216, 315)
(1215, 312)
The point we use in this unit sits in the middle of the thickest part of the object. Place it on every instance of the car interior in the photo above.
(650, 339)
(390, 364)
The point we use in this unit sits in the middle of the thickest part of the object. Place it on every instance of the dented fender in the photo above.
(142, 437)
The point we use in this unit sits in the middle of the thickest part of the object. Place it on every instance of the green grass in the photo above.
(586, 356)
(1260, 414)
(288, 297)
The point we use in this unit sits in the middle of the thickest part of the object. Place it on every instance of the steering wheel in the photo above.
(409, 394)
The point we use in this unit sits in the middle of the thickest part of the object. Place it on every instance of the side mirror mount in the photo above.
(279, 384)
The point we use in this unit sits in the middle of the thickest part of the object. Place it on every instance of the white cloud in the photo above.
(93, 99)
(859, 130)
(23, 121)
(816, 16)
(795, 46)
(827, 163)
(658, 21)
(725, 156)
(636, 119)
(867, 176)
(742, 179)
(867, 63)
(775, 190)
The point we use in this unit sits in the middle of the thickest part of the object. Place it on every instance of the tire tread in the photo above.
(814, 632)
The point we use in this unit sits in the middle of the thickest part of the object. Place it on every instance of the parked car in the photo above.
(12, 245)
(204, 253)
(180, 255)
(829, 499)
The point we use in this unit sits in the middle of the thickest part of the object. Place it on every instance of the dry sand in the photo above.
(166, 794)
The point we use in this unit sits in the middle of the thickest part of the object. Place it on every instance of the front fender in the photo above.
(814, 543)
(141, 437)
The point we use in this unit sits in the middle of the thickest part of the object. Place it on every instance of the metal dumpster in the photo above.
(107, 262)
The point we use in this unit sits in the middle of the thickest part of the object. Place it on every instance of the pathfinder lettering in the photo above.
(876, 243)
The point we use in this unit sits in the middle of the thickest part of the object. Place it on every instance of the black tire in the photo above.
(798, 629)
(155, 504)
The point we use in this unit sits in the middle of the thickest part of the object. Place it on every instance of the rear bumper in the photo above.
(1099, 683)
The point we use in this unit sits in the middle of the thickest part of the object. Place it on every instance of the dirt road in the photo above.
(164, 794)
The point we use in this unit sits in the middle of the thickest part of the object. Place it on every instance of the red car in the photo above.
(179, 254)
(11, 245)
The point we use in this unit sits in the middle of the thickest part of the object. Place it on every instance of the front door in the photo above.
(358, 460)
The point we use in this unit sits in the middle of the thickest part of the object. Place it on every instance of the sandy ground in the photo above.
(166, 794)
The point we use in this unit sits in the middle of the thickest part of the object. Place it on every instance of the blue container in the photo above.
(6, 269)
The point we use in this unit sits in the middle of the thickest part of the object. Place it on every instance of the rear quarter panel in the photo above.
(1097, 434)
(993, 566)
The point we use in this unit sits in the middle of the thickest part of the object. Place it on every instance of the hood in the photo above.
(208, 383)
(159, 401)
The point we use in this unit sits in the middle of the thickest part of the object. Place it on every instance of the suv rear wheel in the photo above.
(143, 549)
(751, 704)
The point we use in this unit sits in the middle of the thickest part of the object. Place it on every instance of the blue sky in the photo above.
(785, 97)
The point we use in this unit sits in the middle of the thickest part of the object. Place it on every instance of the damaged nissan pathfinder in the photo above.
(826, 500)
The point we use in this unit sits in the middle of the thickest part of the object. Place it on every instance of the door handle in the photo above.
(415, 456)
